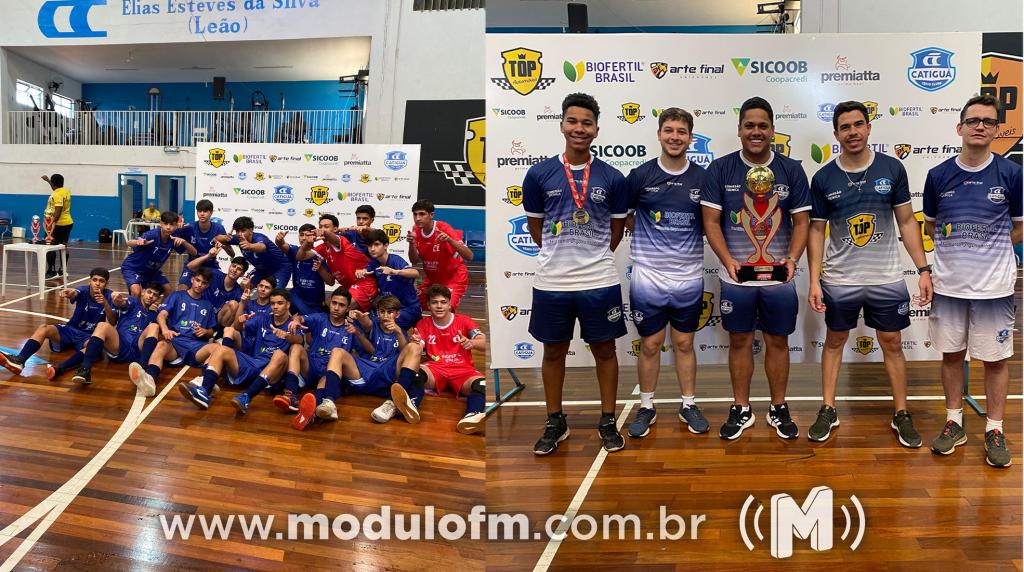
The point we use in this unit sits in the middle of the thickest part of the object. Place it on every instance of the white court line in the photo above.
(48, 290)
(41, 315)
(51, 508)
(577, 501)
(758, 399)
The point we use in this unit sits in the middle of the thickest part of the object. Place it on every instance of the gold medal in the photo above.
(580, 216)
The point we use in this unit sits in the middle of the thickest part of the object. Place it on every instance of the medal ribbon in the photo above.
(578, 197)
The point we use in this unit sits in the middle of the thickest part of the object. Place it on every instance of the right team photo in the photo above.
(754, 286)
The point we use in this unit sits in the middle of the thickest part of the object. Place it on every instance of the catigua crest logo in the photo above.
(932, 69)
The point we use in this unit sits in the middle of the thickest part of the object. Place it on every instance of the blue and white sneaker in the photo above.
(241, 403)
(694, 419)
(641, 425)
(195, 394)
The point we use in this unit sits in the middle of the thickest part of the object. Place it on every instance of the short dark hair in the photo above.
(169, 217)
(241, 261)
(203, 272)
(388, 303)
(985, 99)
(581, 100)
(366, 209)
(342, 291)
(153, 286)
(757, 103)
(99, 270)
(675, 114)
(306, 227)
(56, 180)
(242, 223)
(204, 206)
(846, 107)
(377, 235)
(282, 292)
(270, 278)
(423, 205)
(438, 290)
(330, 217)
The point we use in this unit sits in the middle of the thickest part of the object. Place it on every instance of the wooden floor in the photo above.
(923, 511)
(164, 456)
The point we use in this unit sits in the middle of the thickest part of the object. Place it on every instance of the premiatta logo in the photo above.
(522, 68)
(470, 171)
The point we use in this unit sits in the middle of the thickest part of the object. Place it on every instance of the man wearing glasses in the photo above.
(969, 203)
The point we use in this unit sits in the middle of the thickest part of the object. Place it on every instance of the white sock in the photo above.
(688, 401)
(647, 400)
(955, 415)
(991, 424)
(745, 408)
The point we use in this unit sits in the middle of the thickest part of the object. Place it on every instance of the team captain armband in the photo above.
(474, 333)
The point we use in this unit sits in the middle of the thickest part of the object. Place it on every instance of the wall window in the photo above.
(63, 105)
(28, 92)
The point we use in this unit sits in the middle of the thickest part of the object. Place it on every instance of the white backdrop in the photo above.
(916, 98)
(283, 186)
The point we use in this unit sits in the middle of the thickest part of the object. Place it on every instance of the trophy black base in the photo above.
(762, 273)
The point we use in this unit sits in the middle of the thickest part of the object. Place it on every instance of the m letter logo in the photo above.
(810, 521)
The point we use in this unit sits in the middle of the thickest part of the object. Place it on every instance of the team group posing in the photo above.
(578, 207)
(367, 336)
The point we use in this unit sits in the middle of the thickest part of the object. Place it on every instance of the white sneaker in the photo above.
(471, 423)
(385, 412)
(404, 404)
(141, 379)
(327, 410)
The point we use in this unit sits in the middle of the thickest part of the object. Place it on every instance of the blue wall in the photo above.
(89, 213)
(630, 30)
(299, 95)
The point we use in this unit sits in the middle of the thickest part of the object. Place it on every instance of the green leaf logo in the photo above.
(820, 154)
(573, 72)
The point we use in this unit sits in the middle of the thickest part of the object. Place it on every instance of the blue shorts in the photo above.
(886, 306)
(599, 310)
(249, 368)
(132, 277)
(300, 306)
(378, 376)
(408, 316)
(187, 347)
(71, 338)
(127, 351)
(771, 309)
(283, 276)
(655, 301)
(317, 370)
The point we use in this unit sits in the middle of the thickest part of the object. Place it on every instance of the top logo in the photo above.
(932, 69)
(522, 68)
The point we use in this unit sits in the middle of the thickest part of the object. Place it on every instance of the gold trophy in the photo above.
(48, 223)
(760, 219)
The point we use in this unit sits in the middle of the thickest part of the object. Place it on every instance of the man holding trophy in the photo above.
(57, 222)
(756, 205)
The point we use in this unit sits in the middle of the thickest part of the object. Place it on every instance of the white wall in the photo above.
(14, 67)
(893, 16)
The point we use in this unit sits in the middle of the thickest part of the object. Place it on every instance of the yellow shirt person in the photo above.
(151, 214)
(61, 197)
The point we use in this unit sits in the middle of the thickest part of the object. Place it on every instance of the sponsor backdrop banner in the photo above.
(283, 186)
(913, 86)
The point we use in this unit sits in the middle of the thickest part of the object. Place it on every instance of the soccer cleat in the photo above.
(822, 428)
(641, 425)
(327, 410)
(241, 403)
(287, 401)
(471, 423)
(904, 427)
(12, 363)
(195, 394)
(198, 382)
(385, 412)
(738, 421)
(556, 430)
(778, 417)
(952, 436)
(83, 376)
(997, 453)
(51, 372)
(610, 437)
(404, 404)
(142, 379)
(306, 414)
(694, 419)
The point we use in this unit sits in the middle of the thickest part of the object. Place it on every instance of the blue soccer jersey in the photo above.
(667, 234)
(972, 208)
(150, 257)
(324, 336)
(306, 282)
(184, 311)
(575, 256)
(259, 331)
(269, 261)
(402, 288)
(724, 189)
(202, 241)
(217, 293)
(132, 319)
(862, 247)
(88, 312)
(254, 307)
(357, 241)
(385, 345)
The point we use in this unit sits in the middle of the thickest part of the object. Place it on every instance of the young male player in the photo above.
(667, 287)
(342, 259)
(202, 236)
(576, 211)
(261, 252)
(92, 306)
(440, 248)
(857, 195)
(226, 288)
(309, 366)
(770, 306)
(972, 210)
(394, 277)
(150, 251)
(308, 276)
(365, 215)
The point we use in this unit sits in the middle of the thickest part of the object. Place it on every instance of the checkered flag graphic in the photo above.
(458, 173)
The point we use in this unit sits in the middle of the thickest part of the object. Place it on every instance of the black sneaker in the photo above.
(827, 420)
(738, 421)
(997, 453)
(12, 362)
(610, 436)
(778, 417)
(556, 430)
(83, 376)
(904, 427)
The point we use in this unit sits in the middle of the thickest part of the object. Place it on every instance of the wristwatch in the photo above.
(925, 268)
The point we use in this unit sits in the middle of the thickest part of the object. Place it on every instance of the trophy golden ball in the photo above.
(760, 180)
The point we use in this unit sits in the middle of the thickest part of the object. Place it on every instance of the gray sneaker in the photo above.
(694, 419)
(641, 425)
(827, 420)
(904, 427)
(997, 453)
(952, 436)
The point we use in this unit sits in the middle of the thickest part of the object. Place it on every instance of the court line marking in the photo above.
(51, 508)
(758, 399)
(48, 290)
(577, 501)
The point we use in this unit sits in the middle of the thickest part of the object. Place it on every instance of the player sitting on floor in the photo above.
(150, 251)
(326, 332)
(448, 341)
(225, 289)
(394, 277)
(92, 306)
(308, 276)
